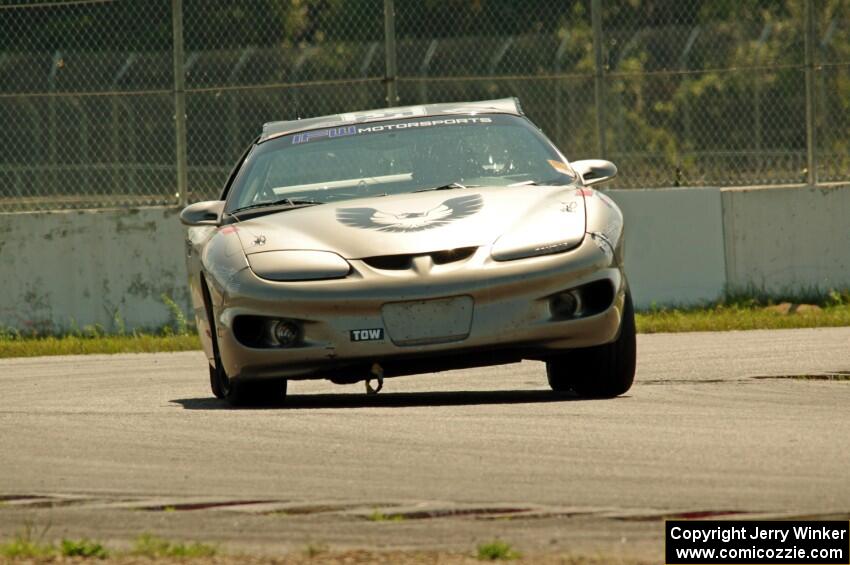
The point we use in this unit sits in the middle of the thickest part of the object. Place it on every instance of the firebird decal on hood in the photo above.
(449, 211)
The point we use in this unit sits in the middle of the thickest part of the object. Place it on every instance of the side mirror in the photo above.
(202, 213)
(595, 171)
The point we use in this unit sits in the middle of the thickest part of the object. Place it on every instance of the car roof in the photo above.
(500, 106)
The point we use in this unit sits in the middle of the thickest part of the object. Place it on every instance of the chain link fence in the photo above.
(676, 92)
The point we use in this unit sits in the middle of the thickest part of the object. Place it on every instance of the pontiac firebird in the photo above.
(416, 239)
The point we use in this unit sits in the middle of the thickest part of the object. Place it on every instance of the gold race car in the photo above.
(406, 240)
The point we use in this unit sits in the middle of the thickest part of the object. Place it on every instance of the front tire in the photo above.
(267, 392)
(604, 371)
(235, 392)
(215, 383)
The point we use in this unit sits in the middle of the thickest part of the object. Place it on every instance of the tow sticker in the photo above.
(374, 334)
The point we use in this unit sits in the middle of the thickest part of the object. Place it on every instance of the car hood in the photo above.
(419, 222)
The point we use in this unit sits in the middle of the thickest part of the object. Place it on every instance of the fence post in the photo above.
(389, 41)
(811, 161)
(180, 101)
(53, 158)
(559, 126)
(599, 77)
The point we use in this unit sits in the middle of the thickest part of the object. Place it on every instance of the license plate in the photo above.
(428, 321)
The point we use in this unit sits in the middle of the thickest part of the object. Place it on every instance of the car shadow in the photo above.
(393, 400)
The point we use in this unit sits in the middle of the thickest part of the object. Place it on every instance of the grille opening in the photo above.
(390, 262)
(402, 262)
(452, 255)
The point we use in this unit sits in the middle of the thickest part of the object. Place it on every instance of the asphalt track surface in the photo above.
(112, 446)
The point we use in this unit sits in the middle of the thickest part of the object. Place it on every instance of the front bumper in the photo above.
(511, 317)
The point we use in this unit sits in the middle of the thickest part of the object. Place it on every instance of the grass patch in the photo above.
(45, 338)
(497, 550)
(29, 544)
(148, 545)
(28, 547)
(23, 548)
(378, 516)
(78, 345)
(82, 548)
(739, 316)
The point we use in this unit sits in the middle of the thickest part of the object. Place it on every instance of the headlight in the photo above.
(545, 239)
(553, 225)
(298, 265)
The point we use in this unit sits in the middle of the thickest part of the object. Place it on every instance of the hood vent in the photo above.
(403, 262)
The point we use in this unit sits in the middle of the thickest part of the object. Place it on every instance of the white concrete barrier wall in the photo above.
(674, 245)
(65, 269)
(683, 245)
(787, 240)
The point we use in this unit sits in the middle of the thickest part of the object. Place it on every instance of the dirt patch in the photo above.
(836, 376)
(200, 505)
(456, 512)
(693, 515)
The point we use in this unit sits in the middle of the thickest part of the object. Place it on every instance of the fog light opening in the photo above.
(282, 333)
(583, 301)
(566, 304)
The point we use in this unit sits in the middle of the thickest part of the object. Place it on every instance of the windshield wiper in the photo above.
(557, 182)
(288, 202)
(449, 186)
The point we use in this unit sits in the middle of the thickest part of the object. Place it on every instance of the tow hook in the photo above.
(378, 372)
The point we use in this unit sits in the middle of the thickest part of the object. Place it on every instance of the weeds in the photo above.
(179, 325)
(92, 331)
(148, 545)
(177, 335)
(30, 544)
(22, 547)
(497, 550)
(118, 324)
(378, 516)
(83, 548)
(312, 549)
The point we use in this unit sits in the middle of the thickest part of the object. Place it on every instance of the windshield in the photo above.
(398, 156)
